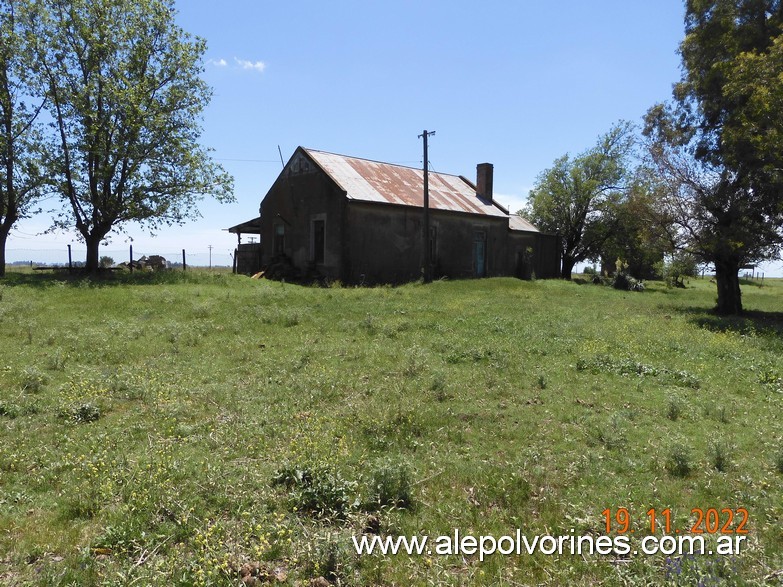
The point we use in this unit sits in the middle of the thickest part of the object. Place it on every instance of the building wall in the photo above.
(294, 202)
(248, 258)
(548, 256)
(522, 254)
(533, 254)
(384, 243)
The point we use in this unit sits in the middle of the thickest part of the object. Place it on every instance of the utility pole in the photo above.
(210, 256)
(426, 240)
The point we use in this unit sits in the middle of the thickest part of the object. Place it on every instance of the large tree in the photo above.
(717, 146)
(638, 238)
(575, 197)
(20, 171)
(123, 88)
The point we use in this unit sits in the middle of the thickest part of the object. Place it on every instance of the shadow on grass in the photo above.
(105, 278)
(749, 322)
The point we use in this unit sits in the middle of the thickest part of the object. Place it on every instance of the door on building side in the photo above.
(318, 240)
(479, 253)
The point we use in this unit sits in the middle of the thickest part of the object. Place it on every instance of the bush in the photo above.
(390, 486)
(319, 491)
(327, 557)
(610, 434)
(82, 413)
(678, 461)
(720, 456)
(33, 380)
(9, 411)
(625, 282)
(676, 269)
(674, 409)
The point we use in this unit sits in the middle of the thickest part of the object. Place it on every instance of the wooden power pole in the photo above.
(426, 239)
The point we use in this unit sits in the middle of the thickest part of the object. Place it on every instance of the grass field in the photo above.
(207, 429)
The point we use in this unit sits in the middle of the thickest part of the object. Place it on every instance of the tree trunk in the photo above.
(91, 262)
(729, 294)
(568, 267)
(3, 239)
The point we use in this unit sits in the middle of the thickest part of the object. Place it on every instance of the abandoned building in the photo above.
(337, 217)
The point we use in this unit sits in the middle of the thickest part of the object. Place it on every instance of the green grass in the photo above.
(200, 428)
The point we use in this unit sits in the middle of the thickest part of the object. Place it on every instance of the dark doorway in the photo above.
(279, 245)
(319, 240)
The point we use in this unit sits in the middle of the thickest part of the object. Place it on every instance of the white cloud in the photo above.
(217, 62)
(512, 202)
(258, 66)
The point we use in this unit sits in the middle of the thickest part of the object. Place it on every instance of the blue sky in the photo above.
(513, 83)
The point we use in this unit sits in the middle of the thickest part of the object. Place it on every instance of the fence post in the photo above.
(184, 264)
(236, 252)
(130, 265)
(70, 260)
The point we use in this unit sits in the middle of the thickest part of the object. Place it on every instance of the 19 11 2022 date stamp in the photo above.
(701, 521)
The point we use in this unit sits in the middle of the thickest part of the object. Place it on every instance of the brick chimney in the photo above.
(484, 181)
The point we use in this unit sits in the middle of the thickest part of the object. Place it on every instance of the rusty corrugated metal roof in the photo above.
(516, 222)
(372, 181)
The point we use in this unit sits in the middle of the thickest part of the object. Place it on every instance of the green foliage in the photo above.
(137, 157)
(720, 455)
(771, 379)
(637, 239)
(318, 491)
(679, 460)
(507, 487)
(732, 59)
(9, 410)
(57, 360)
(21, 148)
(105, 261)
(679, 266)
(390, 485)
(626, 366)
(674, 409)
(33, 380)
(610, 433)
(719, 412)
(329, 557)
(716, 149)
(574, 197)
(82, 413)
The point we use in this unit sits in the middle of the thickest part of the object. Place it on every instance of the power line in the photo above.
(246, 160)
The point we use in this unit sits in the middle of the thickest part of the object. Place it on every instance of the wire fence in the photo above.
(60, 258)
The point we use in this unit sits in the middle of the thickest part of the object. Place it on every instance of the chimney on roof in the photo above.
(484, 180)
